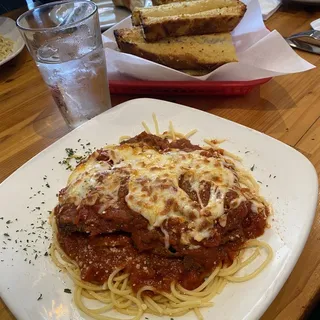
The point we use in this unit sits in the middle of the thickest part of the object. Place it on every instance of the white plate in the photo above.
(109, 15)
(9, 30)
(289, 182)
(315, 24)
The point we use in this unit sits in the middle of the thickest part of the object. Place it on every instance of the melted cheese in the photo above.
(91, 181)
(153, 186)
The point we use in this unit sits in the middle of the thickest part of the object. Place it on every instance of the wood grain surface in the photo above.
(286, 108)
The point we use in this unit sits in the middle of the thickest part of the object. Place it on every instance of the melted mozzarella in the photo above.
(153, 186)
(91, 181)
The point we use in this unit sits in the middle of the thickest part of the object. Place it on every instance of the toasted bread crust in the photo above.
(196, 73)
(187, 62)
(135, 18)
(182, 61)
(160, 2)
(154, 31)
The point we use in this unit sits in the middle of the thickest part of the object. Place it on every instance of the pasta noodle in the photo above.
(6, 47)
(117, 293)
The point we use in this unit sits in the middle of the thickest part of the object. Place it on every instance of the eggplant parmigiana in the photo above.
(157, 224)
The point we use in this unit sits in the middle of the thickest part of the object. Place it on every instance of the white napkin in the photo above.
(261, 54)
(269, 7)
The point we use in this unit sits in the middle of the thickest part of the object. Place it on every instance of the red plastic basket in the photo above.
(224, 88)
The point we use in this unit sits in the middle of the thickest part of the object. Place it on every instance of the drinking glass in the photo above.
(64, 39)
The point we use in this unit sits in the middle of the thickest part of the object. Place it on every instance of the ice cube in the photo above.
(48, 53)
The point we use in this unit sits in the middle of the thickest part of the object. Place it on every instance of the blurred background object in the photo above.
(8, 5)
(310, 2)
(109, 14)
(34, 3)
(129, 4)
(269, 7)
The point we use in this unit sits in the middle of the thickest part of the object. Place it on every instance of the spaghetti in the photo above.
(6, 47)
(121, 291)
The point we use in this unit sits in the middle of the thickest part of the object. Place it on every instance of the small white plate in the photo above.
(9, 30)
(32, 286)
(109, 14)
(315, 24)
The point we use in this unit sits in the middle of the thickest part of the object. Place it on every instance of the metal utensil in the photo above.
(307, 41)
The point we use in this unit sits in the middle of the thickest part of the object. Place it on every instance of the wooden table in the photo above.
(286, 108)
